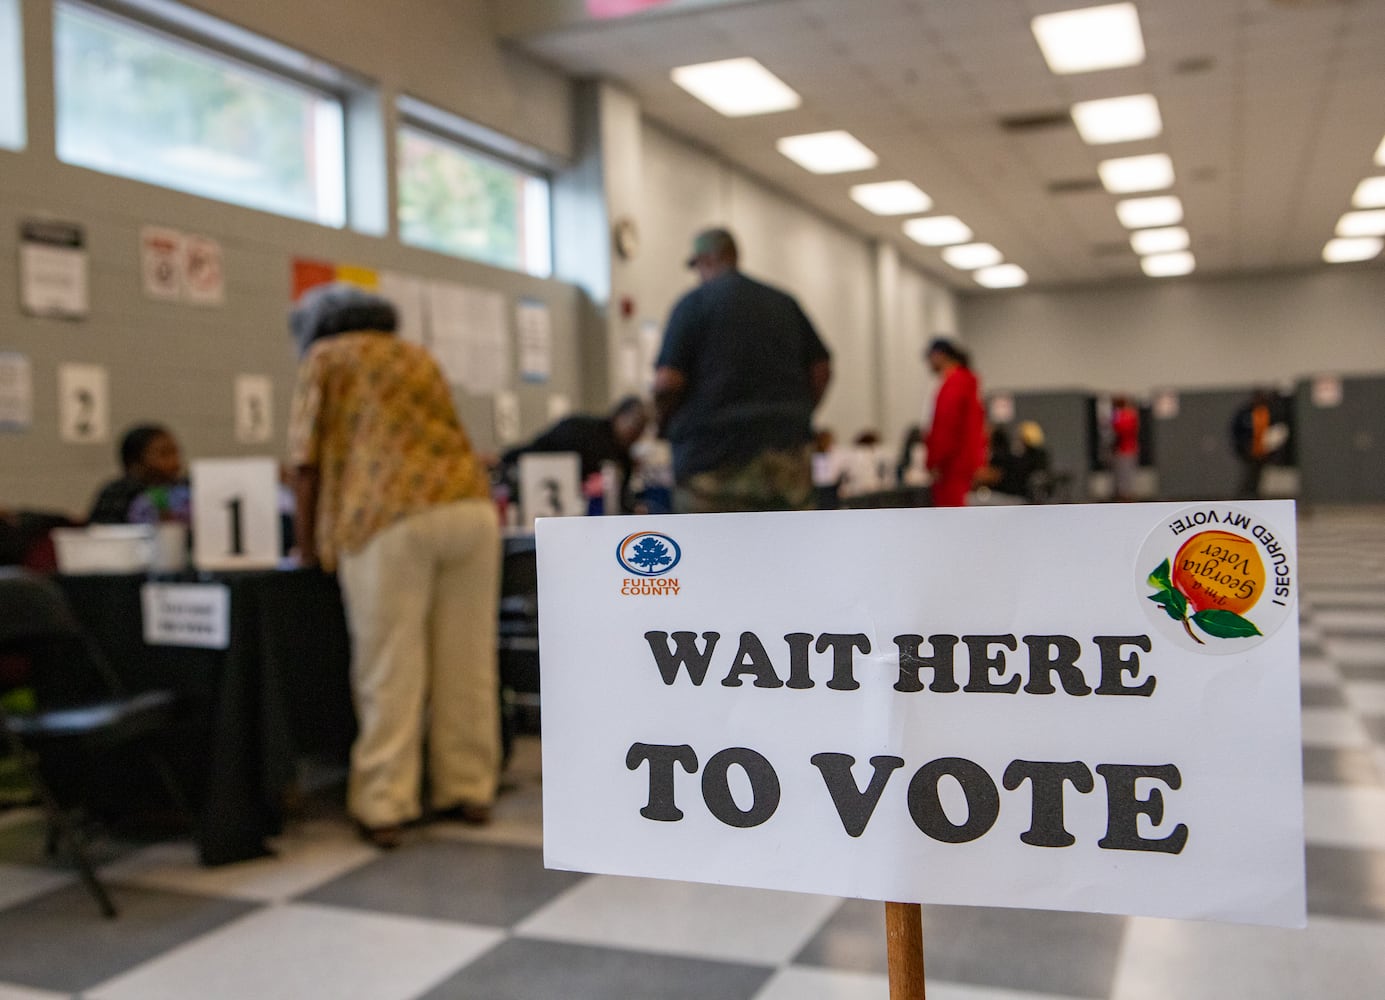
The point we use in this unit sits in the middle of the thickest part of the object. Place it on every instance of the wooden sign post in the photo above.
(904, 938)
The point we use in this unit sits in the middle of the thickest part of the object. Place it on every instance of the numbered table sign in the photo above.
(235, 513)
(550, 486)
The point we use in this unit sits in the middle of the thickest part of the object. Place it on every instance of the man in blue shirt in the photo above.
(739, 375)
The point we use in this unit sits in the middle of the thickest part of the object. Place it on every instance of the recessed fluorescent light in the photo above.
(1143, 213)
(1340, 251)
(827, 152)
(1079, 41)
(970, 256)
(736, 87)
(891, 198)
(1362, 223)
(1136, 173)
(1001, 276)
(1370, 193)
(938, 230)
(1168, 265)
(1117, 119)
(1166, 240)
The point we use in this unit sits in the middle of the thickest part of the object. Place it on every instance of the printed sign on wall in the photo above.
(161, 262)
(254, 403)
(53, 269)
(84, 406)
(1089, 708)
(16, 392)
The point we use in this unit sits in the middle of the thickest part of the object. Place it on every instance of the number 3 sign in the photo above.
(235, 513)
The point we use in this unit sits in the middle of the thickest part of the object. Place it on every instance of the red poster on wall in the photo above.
(311, 273)
(620, 8)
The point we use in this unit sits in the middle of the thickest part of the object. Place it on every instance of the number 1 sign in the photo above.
(235, 513)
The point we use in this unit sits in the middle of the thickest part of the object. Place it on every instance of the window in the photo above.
(459, 201)
(11, 77)
(134, 101)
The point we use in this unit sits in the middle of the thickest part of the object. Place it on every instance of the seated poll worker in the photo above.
(391, 497)
(150, 458)
(596, 440)
(739, 375)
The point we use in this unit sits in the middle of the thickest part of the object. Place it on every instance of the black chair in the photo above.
(81, 712)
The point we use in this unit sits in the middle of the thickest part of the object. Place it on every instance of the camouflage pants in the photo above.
(773, 480)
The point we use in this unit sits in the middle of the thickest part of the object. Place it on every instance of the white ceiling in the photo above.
(1272, 112)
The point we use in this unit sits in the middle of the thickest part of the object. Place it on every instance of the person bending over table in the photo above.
(150, 457)
(596, 440)
(391, 497)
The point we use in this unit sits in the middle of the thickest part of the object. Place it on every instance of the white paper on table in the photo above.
(1215, 721)
(186, 614)
(16, 392)
(84, 406)
(254, 409)
(53, 270)
(406, 294)
(161, 262)
(204, 273)
(534, 336)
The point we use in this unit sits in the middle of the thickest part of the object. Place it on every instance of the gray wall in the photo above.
(1342, 448)
(176, 363)
(1269, 329)
(1193, 450)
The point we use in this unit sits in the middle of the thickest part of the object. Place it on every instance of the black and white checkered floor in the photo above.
(458, 913)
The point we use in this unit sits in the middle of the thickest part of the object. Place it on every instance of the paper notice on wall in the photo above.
(1002, 409)
(469, 336)
(651, 339)
(16, 392)
(362, 277)
(534, 335)
(53, 269)
(204, 277)
(84, 404)
(628, 366)
(161, 262)
(405, 293)
(507, 423)
(1165, 405)
(309, 274)
(559, 406)
(254, 402)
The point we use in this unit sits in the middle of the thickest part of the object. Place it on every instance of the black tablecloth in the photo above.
(278, 692)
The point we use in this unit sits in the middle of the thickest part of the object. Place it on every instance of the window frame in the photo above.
(220, 43)
(487, 146)
(12, 11)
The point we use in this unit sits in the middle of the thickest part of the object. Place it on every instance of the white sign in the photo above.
(16, 392)
(1326, 391)
(1002, 409)
(204, 276)
(235, 513)
(53, 270)
(1165, 405)
(254, 402)
(84, 409)
(187, 614)
(550, 486)
(534, 334)
(161, 262)
(1089, 708)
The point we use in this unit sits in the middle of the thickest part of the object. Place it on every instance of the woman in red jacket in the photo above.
(956, 439)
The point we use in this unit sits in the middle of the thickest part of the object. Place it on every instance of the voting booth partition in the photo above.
(1091, 708)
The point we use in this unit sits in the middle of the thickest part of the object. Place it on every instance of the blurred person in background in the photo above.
(391, 496)
(738, 378)
(1125, 447)
(151, 459)
(956, 439)
(596, 440)
(1251, 440)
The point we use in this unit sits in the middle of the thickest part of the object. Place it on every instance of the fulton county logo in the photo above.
(650, 556)
(1217, 579)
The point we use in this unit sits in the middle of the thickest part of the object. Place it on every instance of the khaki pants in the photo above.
(422, 603)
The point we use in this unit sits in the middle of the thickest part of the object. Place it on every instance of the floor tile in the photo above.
(1332, 727)
(19, 883)
(1373, 673)
(1331, 960)
(1366, 697)
(296, 951)
(1362, 620)
(474, 883)
(1066, 954)
(1322, 696)
(1375, 727)
(1335, 765)
(802, 983)
(683, 918)
(1363, 652)
(1318, 670)
(523, 969)
(306, 857)
(1344, 882)
(61, 942)
(1344, 816)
